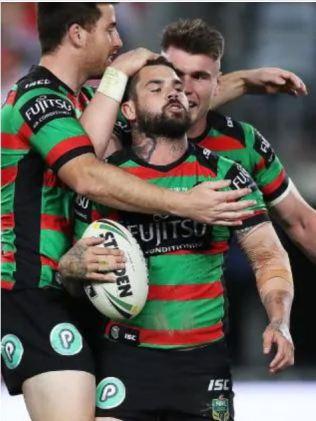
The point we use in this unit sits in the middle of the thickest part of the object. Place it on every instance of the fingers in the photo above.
(284, 356)
(225, 196)
(289, 82)
(285, 351)
(215, 185)
(92, 241)
(232, 216)
(227, 223)
(295, 84)
(236, 206)
(102, 277)
(106, 251)
(105, 263)
(232, 195)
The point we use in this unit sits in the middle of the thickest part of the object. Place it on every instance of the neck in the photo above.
(66, 67)
(158, 150)
(197, 128)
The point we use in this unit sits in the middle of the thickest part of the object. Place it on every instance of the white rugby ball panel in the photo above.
(126, 297)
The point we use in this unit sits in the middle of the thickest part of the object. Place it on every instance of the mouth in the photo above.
(175, 106)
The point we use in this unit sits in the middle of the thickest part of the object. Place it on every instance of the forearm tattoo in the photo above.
(72, 264)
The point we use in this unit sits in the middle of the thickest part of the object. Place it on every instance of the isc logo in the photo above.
(218, 385)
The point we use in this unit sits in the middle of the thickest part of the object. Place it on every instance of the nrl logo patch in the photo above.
(220, 409)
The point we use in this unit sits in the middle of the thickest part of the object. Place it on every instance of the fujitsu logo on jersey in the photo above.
(240, 178)
(263, 147)
(162, 233)
(43, 103)
(39, 111)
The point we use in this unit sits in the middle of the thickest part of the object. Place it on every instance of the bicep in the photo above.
(293, 210)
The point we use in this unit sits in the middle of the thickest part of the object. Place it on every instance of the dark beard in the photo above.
(162, 125)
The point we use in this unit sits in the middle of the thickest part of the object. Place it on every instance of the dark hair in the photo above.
(54, 20)
(130, 91)
(195, 37)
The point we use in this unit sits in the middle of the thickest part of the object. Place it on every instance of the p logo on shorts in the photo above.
(65, 339)
(11, 350)
(111, 393)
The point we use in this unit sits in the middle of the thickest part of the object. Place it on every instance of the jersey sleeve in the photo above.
(267, 169)
(122, 130)
(240, 179)
(47, 119)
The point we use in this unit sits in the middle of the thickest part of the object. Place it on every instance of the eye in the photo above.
(111, 30)
(155, 90)
(201, 76)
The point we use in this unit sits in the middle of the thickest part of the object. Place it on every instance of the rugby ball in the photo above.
(126, 297)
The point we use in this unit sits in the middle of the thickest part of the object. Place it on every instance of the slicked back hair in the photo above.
(195, 37)
(54, 20)
(130, 92)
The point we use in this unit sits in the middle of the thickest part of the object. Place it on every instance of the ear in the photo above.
(77, 35)
(217, 86)
(128, 110)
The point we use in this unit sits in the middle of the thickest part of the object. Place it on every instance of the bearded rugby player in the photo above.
(170, 362)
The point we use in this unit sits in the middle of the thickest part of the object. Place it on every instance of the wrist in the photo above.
(175, 202)
(113, 83)
(242, 78)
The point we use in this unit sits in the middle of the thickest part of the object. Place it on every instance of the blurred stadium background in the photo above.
(257, 34)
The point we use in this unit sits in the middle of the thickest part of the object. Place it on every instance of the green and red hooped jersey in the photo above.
(185, 258)
(40, 133)
(241, 143)
(244, 144)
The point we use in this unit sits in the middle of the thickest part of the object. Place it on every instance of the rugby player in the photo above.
(46, 153)
(171, 360)
(196, 51)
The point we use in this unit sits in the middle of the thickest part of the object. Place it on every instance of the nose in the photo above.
(188, 85)
(117, 41)
(173, 94)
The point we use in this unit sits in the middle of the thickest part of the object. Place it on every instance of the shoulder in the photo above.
(41, 99)
(226, 125)
(35, 82)
(205, 157)
(212, 160)
(224, 168)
